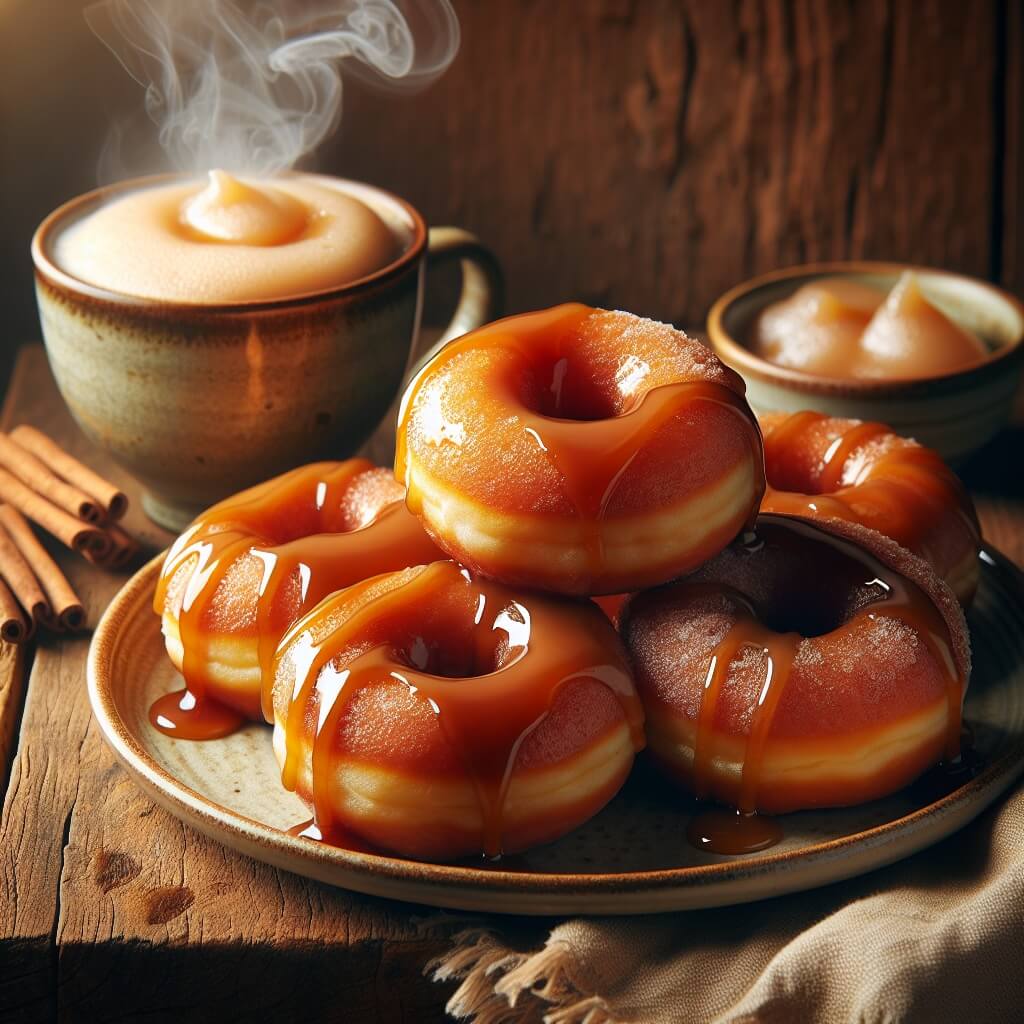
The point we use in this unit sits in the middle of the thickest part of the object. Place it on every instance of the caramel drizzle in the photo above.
(320, 562)
(903, 493)
(785, 432)
(781, 651)
(486, 718)
(591, 456)
(901, 599)
(833, 462)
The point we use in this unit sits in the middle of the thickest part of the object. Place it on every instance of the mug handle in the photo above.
(481, 297)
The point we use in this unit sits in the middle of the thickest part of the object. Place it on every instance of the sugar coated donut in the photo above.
(244, 571)
(773, 688)
(434, 714)
(579, 451)
(823, 467)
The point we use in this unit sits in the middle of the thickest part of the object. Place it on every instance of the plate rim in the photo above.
(215, 819)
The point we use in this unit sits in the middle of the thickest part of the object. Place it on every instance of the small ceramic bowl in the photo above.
(954, 413)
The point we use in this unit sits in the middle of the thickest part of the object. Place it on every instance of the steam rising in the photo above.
(255, 90)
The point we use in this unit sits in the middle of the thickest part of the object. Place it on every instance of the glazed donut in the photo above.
(773, 688)
(437, 715)
(245, 570)
(821, 467)
(579, 451)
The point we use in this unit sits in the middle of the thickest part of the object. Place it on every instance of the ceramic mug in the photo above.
(198, 401)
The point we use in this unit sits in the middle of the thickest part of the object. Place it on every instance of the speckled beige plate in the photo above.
(631, 858)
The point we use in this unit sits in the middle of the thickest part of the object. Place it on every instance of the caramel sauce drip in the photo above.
(898, 598)
(319, 563)
(590, 455)
(522, 655)
(780, 650)
(903, 492)
(181, 715)
(732, 832)
(310, 830)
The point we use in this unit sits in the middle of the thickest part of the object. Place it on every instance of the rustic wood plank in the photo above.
(109, 907)
(13, 661)
(1008, 215)
(651, 155)
(12, 692)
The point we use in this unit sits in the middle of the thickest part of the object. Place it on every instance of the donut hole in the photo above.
(818, 602)
(797, 578)
(811, 613)
(455, 646)
(570, 388)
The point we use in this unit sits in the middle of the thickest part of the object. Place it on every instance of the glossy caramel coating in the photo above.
(823, 467)
(579, 450)
(803, 667)
(435, 714)
(236, 580)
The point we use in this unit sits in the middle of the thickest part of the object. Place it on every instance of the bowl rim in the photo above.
(47, 268)
(741, 358)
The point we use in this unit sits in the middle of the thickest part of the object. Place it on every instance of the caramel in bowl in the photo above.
(954, 412)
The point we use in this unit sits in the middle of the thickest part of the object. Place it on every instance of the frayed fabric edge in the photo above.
(499, 986)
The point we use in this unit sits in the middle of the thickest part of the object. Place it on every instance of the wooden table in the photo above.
(112, 909)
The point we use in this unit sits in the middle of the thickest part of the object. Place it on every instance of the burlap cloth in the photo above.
(938, 937)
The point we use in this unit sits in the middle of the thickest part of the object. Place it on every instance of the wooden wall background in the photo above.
(644, 154)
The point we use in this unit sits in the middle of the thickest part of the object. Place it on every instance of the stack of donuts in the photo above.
(589, 545)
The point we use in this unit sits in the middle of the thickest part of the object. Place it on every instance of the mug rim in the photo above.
(47, 267)
(749, 363)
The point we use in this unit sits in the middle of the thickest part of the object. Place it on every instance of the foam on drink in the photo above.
(232, 239)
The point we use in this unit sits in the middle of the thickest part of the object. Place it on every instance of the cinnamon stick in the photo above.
(13, 627)
(18, 575)
(121, 550)
(37, 476)
(110, 497)
(66, 611)
(79, 536)
(124, 547)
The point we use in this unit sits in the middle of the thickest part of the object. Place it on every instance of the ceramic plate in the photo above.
(631, 858)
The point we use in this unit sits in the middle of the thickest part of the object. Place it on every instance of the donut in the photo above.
(245, 570)
(579, 451)
(436, 714)
(823, 467)
(772, 688)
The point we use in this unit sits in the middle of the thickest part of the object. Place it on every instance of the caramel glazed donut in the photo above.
(235, 580)
(824, 467)
(771, 688)
(544, 450)
(435, 714)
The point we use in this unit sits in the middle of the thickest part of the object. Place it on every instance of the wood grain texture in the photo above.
(646, 155)
(111, 909)
(1008, 214)
(651, 155)
(13, 663)
(12, 692)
